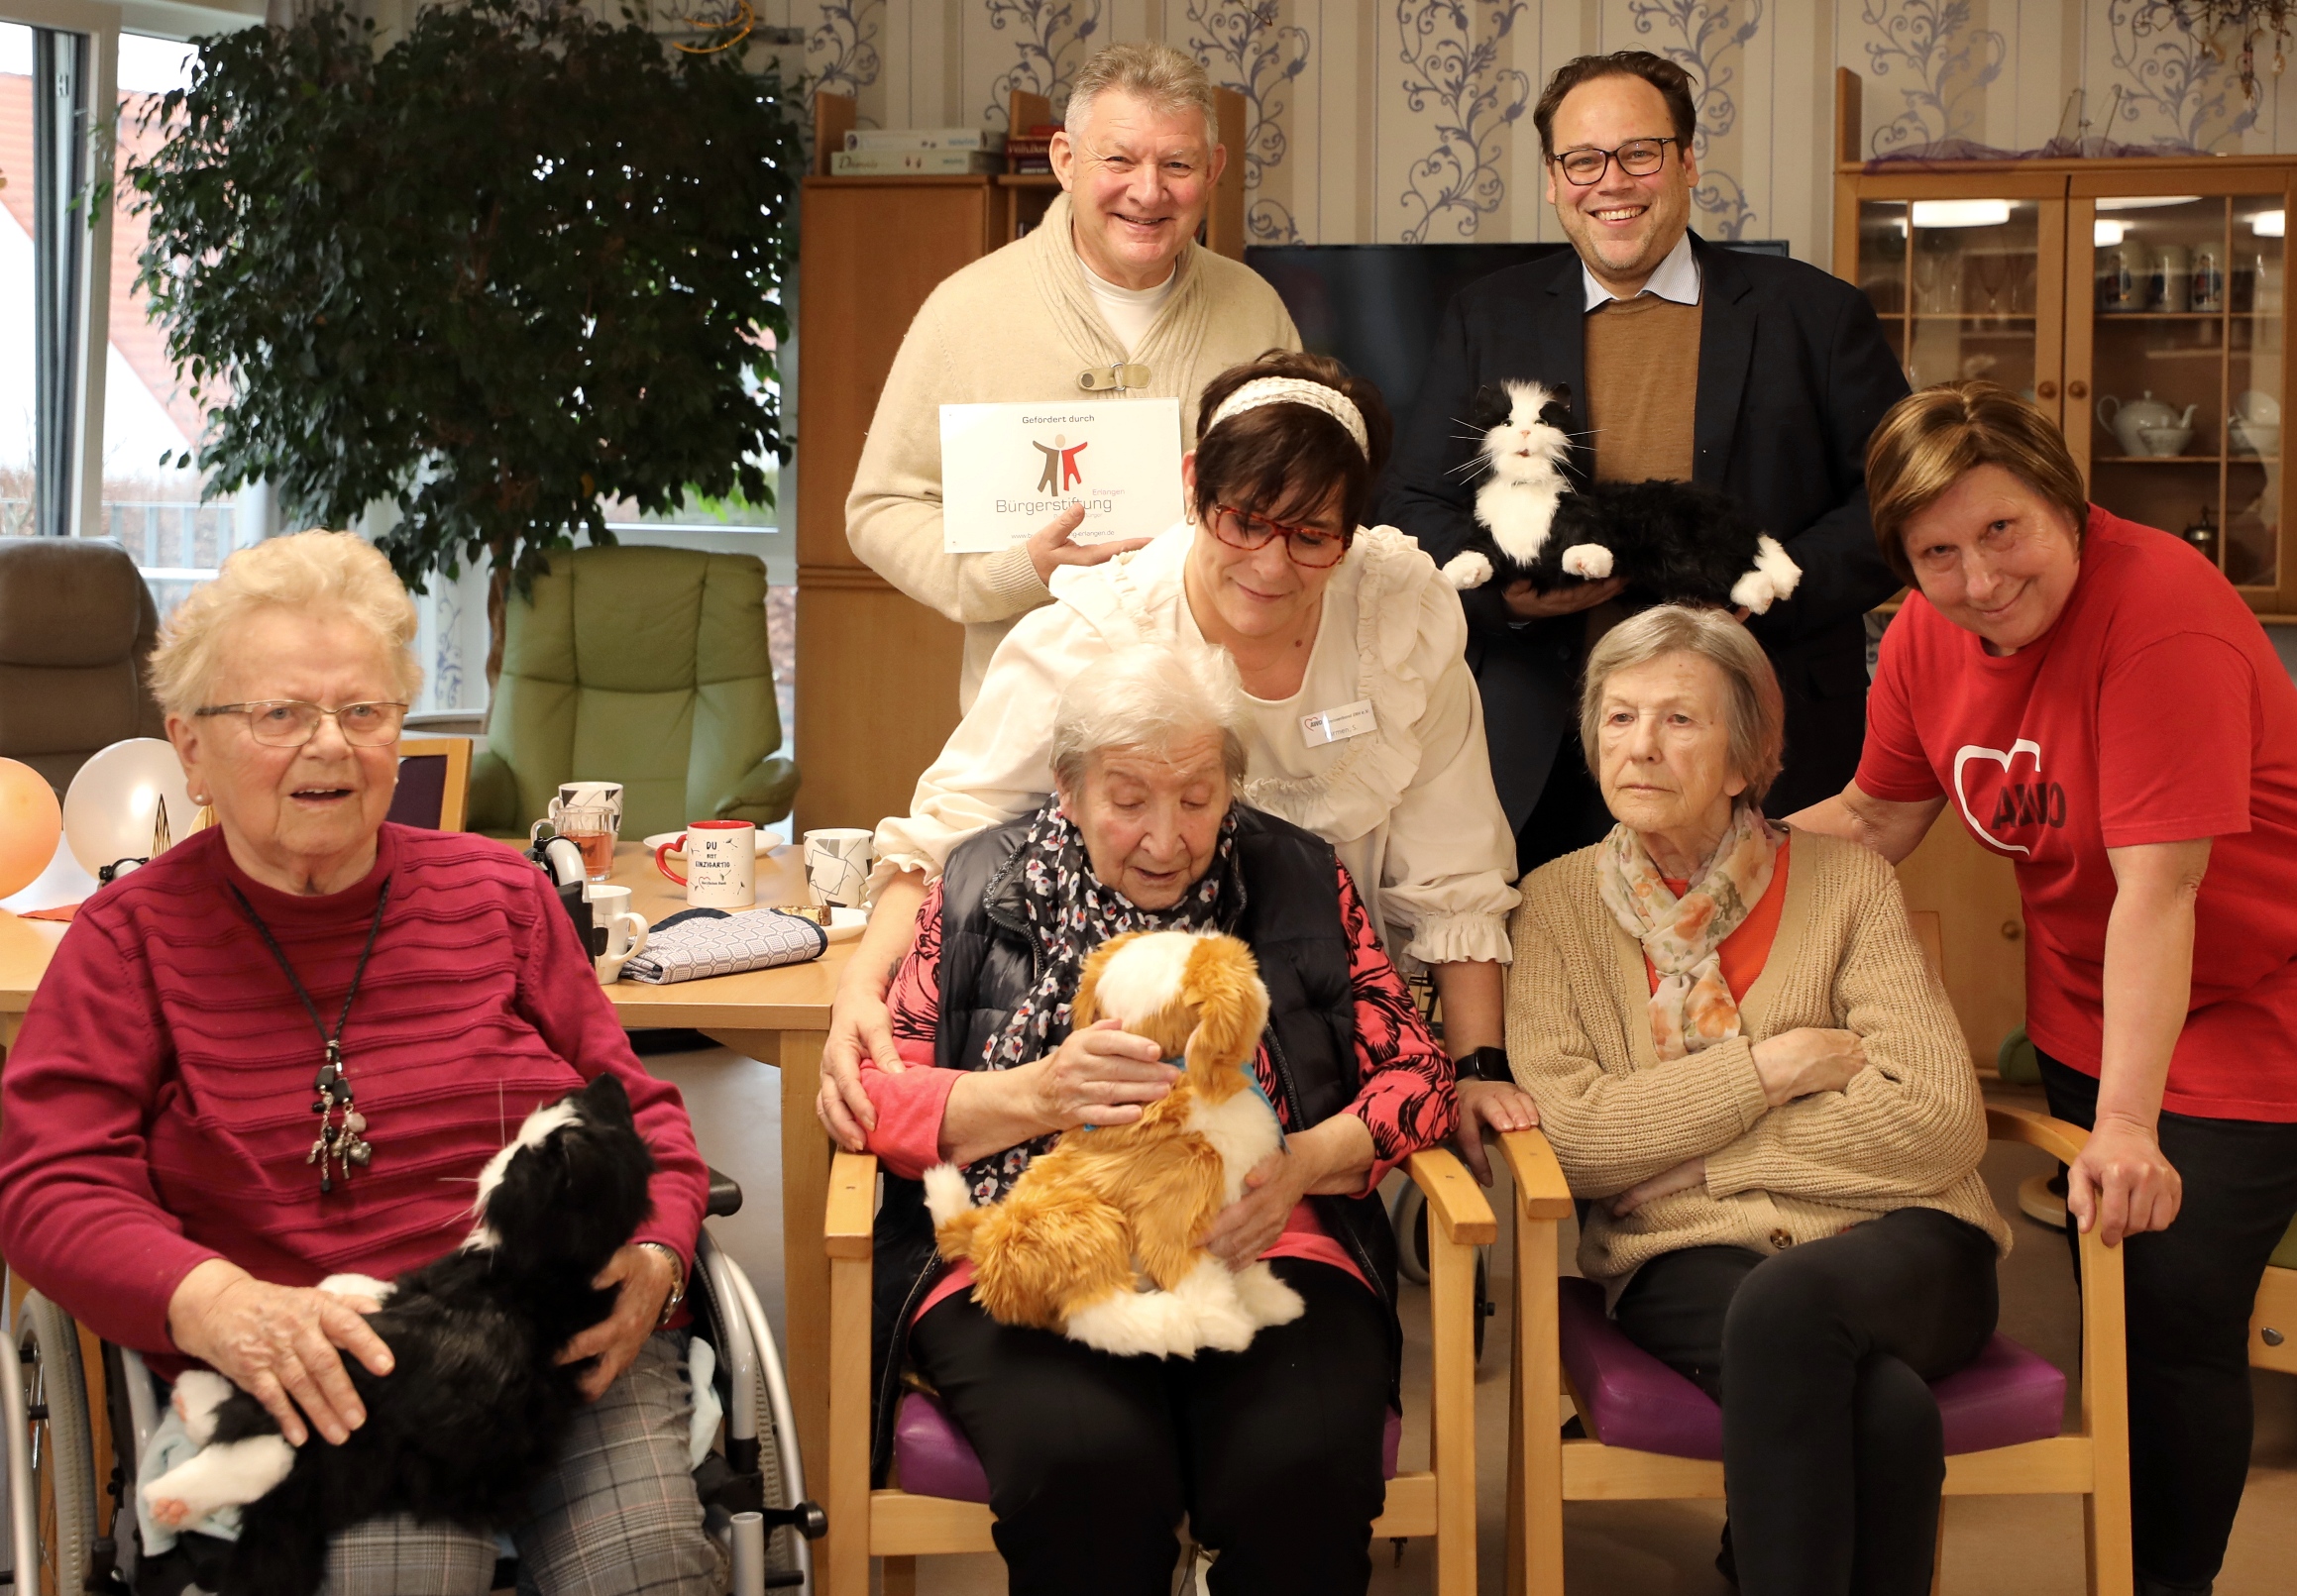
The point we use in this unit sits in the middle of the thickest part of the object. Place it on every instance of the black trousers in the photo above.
(2189, 1291)
(1832, 1452)
(1273, 1453)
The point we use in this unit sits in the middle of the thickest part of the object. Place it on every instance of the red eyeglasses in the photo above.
(1309, 546)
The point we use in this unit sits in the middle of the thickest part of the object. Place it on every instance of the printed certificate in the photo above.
(1008, 469)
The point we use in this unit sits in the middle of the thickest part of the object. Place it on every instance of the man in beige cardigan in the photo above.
(1111, 295)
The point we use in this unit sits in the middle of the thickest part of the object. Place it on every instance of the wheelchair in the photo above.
(752, 1484)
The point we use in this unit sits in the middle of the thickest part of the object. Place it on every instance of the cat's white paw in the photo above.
(1468, 569)
(218, 1477)
(1753, 592)
(1777, 563)
(1590, 560)
(198, 1393)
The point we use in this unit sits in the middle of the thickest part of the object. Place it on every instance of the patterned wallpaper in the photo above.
(1410, 120)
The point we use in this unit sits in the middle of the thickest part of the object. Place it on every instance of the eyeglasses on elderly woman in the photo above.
(292, 722)
(1314, 547)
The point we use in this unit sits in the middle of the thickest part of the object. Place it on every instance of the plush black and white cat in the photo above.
(475, 1411)
(1672, 542)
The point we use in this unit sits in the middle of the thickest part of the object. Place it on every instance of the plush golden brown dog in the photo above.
(1097, 1238)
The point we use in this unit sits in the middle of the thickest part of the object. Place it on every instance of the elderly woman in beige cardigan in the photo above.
(1742, 1059)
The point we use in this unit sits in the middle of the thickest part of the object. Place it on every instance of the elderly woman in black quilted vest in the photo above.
(1272, 1453)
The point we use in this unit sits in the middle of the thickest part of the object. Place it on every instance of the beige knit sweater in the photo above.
(1907, 1130)
(1016, 326)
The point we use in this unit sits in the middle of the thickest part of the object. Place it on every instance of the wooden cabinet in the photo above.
(2141, 304)
(876, 671)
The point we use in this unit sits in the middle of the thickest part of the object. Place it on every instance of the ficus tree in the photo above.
(521, 261)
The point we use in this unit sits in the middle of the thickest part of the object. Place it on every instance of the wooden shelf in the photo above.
(2167, 459)
(1027, 180)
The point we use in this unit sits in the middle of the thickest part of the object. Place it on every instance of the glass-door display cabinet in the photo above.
(2139, 303)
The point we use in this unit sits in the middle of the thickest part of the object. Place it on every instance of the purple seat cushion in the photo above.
(934, 1459)
(2005, 1396)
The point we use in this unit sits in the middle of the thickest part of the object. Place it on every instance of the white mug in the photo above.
(722, 862)
(625, 926)
(837, 861)
(588, 795)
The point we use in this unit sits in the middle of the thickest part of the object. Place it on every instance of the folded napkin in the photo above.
(711, 942)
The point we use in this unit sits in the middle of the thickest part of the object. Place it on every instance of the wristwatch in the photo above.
(1486, 1064)
(676, 1297)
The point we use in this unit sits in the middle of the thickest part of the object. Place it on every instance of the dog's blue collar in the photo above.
(1250, 1080)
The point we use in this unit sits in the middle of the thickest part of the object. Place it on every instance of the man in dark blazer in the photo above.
(1791, 373)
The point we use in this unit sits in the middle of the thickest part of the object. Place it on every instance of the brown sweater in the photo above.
(1909, 1130)
(1642, 358)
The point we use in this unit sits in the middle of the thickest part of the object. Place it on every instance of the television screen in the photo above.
(1376, 306)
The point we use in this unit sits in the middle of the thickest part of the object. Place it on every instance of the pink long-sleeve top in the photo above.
(1405, 1093)
(156, 1109)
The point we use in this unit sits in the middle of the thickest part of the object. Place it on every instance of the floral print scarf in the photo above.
(1692, 1007)
(1071, 912)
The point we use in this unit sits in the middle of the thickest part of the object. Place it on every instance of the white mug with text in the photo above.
(722, 862)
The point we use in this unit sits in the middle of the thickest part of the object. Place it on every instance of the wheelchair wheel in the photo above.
(1408, 1215)
(51, 1441)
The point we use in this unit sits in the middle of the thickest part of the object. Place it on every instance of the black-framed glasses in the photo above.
(292, 722)
(1309, 546)
(1637, 157)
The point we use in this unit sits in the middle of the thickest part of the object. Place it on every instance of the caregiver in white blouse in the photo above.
(1366, 728)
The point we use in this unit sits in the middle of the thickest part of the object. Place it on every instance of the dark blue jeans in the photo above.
(2189, 1291)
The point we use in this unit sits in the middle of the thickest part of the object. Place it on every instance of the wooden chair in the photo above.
(1545, 1471)
(1439, 1501)
(434, 782)
(2273, 1324)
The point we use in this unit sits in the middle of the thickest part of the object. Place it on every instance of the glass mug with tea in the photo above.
(592, 828)
(722, 862)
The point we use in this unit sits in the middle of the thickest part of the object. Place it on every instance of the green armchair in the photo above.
(646, 667)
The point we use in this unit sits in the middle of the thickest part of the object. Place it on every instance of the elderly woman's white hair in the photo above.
(329, 574)
(1755, 714)
(1149, 696)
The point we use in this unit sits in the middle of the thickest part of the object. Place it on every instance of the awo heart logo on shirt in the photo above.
(1997, 802)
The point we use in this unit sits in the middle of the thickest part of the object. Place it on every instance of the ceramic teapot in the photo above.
(2131, 422)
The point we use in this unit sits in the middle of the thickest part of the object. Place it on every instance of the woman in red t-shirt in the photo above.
(2100, 706)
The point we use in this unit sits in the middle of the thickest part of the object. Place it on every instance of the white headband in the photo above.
(1295, 390)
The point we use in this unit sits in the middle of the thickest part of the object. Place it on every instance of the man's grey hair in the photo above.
(1150, 697)
(1159, 76)
(1754, 714)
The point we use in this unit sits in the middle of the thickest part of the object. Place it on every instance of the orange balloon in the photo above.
(31, 822)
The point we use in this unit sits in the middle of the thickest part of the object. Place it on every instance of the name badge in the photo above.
(1338, 725)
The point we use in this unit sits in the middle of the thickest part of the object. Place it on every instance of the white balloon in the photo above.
(109, 811)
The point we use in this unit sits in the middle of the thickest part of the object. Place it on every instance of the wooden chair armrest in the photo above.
(848, 1222)
(2061, 1140)
(1539, 1180)
(1453, 1199)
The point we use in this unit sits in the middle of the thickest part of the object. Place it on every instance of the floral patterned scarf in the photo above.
(1071, 912)
(1692, 1007)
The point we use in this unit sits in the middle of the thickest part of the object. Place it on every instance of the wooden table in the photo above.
(779, 1017)
(776, 1016)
